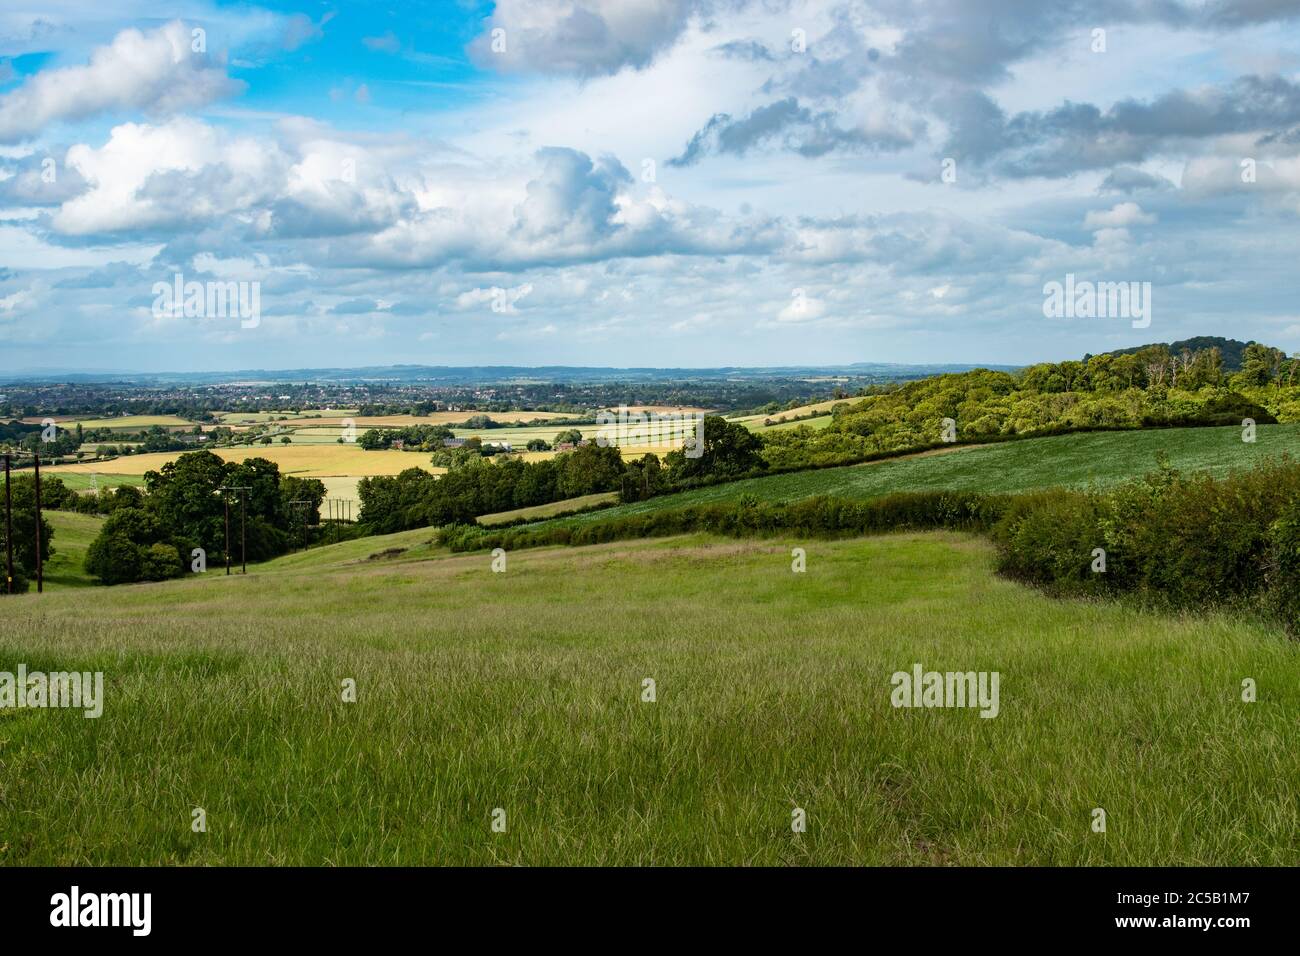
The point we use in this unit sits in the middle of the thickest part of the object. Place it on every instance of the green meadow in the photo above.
(522, 691)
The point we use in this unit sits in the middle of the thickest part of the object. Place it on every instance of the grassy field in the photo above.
(72, 536)
(554, 508)
(816, 424)
(522, 691)
(1071, 460)
(133, 423)
(91, 479)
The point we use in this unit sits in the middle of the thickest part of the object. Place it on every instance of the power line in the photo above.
(243, 509)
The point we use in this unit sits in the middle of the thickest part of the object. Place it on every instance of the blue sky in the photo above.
(641, 182)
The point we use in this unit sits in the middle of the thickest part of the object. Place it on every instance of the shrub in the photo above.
(114, 559)
(1283, 569)
(159, 562)
(1048, 538)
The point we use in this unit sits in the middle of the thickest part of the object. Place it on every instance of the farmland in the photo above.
(1076, 460)
(305, 461)
(124, 423)
(772, 693)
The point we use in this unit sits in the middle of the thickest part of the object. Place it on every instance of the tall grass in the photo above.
(521, 690)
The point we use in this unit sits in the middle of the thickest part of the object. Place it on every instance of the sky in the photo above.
(686, 183)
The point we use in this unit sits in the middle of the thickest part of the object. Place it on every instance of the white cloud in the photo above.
(584, 37)
(1119, 216)
(157, 72)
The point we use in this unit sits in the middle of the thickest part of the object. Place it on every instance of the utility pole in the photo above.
(226, 502)
(40, 577)
(9, 534)
(243, 536)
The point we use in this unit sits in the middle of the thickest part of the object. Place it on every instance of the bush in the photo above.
(1186, 540)
(114, 559)
(1283, 570)
(1048, 538)
(160, 562)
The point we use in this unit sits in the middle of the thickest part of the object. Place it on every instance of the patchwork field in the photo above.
(523, 691)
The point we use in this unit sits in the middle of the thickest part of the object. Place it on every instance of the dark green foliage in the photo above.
(730, 451)
(152, 537)
(476, 486)
(1185, 540)
(1283, 570)
(414, 437)
(1048, 538)
(23, 497)
(114, 559)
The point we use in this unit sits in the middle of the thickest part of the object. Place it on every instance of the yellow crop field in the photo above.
(124, 423)
(304, 461)
(816, 408)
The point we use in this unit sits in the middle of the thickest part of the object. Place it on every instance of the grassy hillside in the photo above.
(72, 536)
(521, 691)
(1072, 460)
(553, 508)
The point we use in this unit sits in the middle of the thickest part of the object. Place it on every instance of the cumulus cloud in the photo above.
(800, 129)
(185, 173)
(581, 37)
(1081, 136)
(156, 71)
(1129, 179)
(1119, 216)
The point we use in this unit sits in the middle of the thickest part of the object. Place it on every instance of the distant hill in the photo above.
(1231, 349)
(504, 374)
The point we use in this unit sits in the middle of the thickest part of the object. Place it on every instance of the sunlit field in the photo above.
(304, 461)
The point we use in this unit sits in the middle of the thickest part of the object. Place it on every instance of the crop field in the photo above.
(816, 424)
(1076, 460)
(553, 508)
(94, 480)
(304, 461)
(132, 423)
(523, 691)
(818, 408)
(260, 418)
